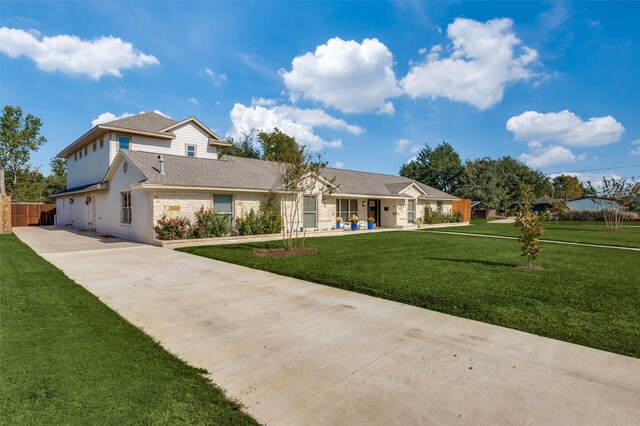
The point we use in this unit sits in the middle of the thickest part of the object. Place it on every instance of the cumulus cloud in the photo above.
(635, 151)
(350, 76)
(548, 156)
(338, 165)
(484, 58)
(105, 117)
(71, 55)
(296, 122)
(405, 145)
(564, 127)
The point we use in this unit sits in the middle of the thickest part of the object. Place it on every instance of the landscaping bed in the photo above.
(66, 358)
(584, 295)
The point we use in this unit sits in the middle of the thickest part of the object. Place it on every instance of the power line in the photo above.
(596, 170)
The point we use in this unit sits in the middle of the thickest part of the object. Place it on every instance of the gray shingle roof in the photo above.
(145, 122)
(250, 174)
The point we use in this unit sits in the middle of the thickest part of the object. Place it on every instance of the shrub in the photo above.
(266, 221)
(172, 228)
(430, 217)
(209, 224)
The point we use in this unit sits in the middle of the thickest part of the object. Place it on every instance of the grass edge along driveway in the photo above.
(66, 358)
(585, 295)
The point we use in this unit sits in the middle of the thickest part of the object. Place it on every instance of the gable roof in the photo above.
(258, 175)
(146, 124)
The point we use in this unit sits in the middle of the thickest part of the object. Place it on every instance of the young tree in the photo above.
(244, 146)
(18, 138)
(531, 228)
(298, 174)
(615, 197)
(439, 167)
(565, 186)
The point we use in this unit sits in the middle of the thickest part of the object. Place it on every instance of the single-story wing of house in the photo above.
(123, 176)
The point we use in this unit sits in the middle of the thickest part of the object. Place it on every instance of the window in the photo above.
(439, 206)
(309, 211)
(191, 150)
(411, 211)
(125, 199)
(95, 146)
(223, 205)
(346, 208)
(80, 156)
(101, 143)
(123, 142)
(75, 156)
(85, 151)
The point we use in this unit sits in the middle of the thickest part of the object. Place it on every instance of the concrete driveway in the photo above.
(294, 352)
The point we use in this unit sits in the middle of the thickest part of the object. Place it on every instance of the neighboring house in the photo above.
(117, 184)
(575, 204)
(480, 211)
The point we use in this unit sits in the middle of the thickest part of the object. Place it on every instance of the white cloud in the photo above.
(350, 76)
(564, 127)
(157, 112)
(194, 101)
(105, 117)
(296, 122)
(217, 79)
(548, 156)
(405, 145)
(338, 165)
(482, 61)
(263, 102)
(71, 55)
(635, 151)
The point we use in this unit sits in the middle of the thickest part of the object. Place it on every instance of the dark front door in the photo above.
(374, 210)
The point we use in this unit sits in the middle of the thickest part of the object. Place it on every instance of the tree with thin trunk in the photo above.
(298, 174)
(19, 137)
(614, 197)
(530, 226)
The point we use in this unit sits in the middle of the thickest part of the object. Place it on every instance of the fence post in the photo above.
(5, 214)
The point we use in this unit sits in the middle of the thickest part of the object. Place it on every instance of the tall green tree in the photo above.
(244, 145)
(57, 180)
(19, 137)
(565, 186)
(439, 167)
(498, 183)
(280, 147)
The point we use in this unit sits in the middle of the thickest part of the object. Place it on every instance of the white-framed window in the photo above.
(191, 150)
(411, 211)
(86, 151)
(310, 211)
(223, 205)
(101, 143)
(125, 204)
(95, 146)
(75, 156)
(124, 142)
(80, 156)
(345, 208)
(439, 206)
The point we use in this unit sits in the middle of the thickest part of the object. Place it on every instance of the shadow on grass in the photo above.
(473, 261)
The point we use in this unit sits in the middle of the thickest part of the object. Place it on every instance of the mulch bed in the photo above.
(280, 252)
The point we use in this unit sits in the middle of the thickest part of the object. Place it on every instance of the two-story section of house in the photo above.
(124, 175)
(86, 203)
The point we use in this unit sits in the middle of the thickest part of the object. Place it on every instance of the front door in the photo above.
(374, 210)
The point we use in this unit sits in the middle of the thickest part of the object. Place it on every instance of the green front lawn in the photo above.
(575, 232)
(585, 295)
(66, 358)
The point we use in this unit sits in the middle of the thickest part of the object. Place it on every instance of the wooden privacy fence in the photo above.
(32, 214)
(463, 207)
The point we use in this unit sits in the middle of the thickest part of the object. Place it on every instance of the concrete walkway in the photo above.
(299, 353)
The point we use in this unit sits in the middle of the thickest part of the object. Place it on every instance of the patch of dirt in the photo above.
(531, 267)
(280, 252)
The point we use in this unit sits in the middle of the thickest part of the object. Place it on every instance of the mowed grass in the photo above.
(584, 295)
(576, 232)
(66, 358)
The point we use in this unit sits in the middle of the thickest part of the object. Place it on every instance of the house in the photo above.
(480, 211)
(126, 174)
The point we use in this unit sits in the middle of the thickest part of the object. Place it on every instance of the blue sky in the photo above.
(365, 83)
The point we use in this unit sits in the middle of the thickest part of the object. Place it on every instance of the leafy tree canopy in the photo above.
(439, 167)
(244, 145)
(565, 186)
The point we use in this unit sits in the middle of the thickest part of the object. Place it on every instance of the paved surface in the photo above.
(294, 352)
(506, 220)
(468, 234)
